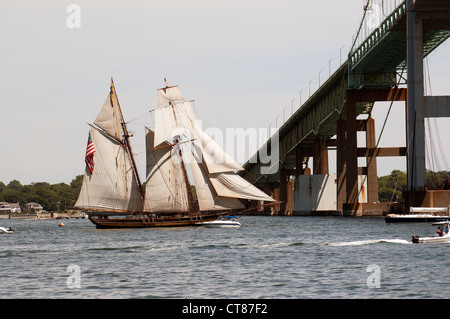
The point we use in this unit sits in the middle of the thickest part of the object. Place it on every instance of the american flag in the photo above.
(90, 150)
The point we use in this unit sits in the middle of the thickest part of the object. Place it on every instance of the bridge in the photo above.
(385, 64)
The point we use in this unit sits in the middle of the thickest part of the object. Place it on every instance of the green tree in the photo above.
(2, 188)
(49, 196)
(12, 196)
(390, 187)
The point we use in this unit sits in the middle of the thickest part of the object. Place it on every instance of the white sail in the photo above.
(216, 159)
(207, 197)
(110, 117)
(233, 185)
(217, 184)
(165, 189)
(173, 120)
(112, 185)
(169, 94)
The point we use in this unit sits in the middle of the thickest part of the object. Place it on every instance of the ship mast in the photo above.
(126, 136)
(191, 204)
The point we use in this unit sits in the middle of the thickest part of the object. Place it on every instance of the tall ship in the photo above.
(112, 194)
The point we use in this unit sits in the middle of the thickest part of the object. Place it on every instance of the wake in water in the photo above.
(368, 242)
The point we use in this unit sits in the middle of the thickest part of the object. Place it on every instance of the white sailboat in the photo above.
(112, 193)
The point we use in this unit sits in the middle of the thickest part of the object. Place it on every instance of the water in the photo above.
(268, 257)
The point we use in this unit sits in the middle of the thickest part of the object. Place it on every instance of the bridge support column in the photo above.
(351, 157)
(351, 199)
(371, 162)
(283, 189)
(415, 116)
(320, 156)
(340, 165)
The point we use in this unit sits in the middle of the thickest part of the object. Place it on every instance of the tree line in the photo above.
(390, 187)
(54, 197)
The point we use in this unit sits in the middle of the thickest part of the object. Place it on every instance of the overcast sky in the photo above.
(243, 61)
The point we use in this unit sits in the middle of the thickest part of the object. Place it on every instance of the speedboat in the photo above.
(3, 230)
(443, 234)
(224, 221)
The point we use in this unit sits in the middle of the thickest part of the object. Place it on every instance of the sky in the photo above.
(246, 63)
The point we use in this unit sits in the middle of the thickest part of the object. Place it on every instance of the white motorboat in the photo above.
(224, 221)
(3, 230)
(443, 234)
(420, 215)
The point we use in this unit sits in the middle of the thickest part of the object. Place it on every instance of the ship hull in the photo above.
(106, 221)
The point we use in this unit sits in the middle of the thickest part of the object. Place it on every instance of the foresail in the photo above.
(206, 195)
(112, 185)
(216, 159)
(233, 185)
(165, 189)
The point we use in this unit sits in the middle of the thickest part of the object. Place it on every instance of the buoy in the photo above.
(61, 224)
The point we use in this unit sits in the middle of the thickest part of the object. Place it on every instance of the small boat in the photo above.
(4, 230)
(443, 235)
(415, 218)
(224, 221)
(420, 215)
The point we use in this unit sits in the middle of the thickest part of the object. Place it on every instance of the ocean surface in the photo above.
(268, 257)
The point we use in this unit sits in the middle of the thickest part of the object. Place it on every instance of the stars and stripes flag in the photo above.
(89, 159)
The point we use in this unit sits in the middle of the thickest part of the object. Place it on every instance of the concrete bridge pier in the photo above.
(357, 187)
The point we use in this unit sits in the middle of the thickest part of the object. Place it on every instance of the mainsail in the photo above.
(113, 185)
(165, 189)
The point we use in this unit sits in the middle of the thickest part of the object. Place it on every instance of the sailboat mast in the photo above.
(126, 138)
(191, 206)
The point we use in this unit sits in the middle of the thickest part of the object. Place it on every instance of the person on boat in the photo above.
(446, 229)
(439, 231)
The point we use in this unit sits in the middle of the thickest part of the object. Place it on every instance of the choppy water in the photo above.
(268, 257)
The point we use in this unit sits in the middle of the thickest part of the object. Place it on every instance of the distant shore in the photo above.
(76, 215)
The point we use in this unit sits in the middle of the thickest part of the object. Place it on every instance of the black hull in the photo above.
(105, 221)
